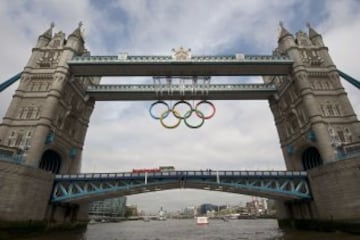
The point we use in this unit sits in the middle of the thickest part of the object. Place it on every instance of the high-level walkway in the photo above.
(229, 65)
(154, 92)
(286, 185)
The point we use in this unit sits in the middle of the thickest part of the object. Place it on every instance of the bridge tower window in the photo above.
(311, 158)
(50, 161)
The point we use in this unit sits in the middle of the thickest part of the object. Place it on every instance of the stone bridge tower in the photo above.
(318, 129)
(314, 118)
(47, 119)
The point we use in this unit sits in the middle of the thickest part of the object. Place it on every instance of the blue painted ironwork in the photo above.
(15, 158)
(290, 149)
(348, 78)
(349, 150)
(73, 152)
(50, 137)
(311, 136)
(273, 184)
(9, 82)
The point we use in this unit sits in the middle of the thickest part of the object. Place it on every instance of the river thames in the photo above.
(187, 230)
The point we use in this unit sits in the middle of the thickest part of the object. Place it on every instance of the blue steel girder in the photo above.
(9, 82)
(287, 185)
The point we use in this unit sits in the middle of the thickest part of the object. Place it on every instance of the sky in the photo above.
(122, 135)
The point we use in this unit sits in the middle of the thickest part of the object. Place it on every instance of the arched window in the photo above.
(29, 113)
(293, 121)
(330, 109)
(322, 108)
(337, 110)
(20, 139)
(50, 161)
(35, 113)
(311, 158)
(21, 110)
(11, 139)
(348, 135)
(24, 113)
(28, 139)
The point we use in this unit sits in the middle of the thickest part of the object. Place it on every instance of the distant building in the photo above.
(205, 208)
(110, 207)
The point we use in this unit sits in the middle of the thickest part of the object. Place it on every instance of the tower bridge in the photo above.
(43, 132)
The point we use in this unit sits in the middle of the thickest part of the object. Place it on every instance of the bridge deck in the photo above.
(167, 66)
(284, 185)
(152, 92)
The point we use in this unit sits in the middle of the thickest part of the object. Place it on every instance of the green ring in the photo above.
(189, 113)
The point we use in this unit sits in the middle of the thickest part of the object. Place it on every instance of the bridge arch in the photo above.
(285, 185)
(51, 161)
(311, 158)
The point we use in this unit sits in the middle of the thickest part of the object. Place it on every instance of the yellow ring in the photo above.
(165, 114)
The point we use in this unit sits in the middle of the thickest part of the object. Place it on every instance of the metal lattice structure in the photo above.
(287, 185)
(150, 92)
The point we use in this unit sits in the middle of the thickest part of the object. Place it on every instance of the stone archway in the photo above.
(51, 161)
(311, 158)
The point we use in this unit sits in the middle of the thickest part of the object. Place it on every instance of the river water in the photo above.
(187, 230)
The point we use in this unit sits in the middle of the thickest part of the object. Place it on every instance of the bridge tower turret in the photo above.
(47, 119)
(313, 115)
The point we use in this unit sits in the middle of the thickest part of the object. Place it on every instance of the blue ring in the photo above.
(153, 105)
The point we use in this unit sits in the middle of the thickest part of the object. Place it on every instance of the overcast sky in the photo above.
(122, 135)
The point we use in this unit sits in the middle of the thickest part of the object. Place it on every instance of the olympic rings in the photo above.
(179, 116)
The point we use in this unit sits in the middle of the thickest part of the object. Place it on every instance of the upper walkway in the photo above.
(229, 65)
(286, 185)
(154, 92)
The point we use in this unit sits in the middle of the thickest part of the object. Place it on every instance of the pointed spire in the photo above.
(312, 32)
(48, 33)
(78, 32)
(282, 31)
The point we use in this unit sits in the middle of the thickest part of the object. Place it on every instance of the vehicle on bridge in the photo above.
(154, 170)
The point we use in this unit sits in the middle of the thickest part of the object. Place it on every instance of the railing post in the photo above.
(217, 177)
(146, 176)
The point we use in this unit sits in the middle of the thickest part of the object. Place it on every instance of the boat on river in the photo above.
(202, 220)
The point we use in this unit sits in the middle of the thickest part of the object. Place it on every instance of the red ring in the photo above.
(211, 105)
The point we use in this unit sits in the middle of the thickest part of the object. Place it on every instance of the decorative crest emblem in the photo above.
(181, 53)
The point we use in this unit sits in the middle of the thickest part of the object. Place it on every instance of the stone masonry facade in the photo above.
(25, 192)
